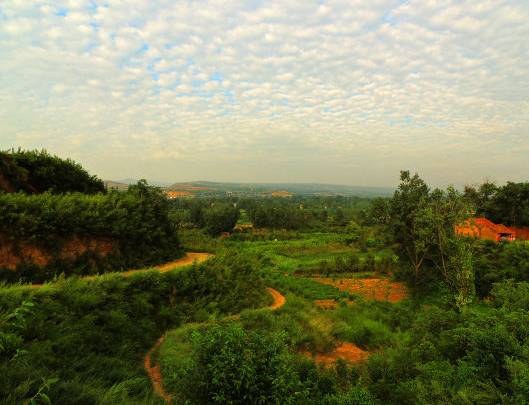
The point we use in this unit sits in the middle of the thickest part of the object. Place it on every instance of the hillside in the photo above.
(255, 189)
(37, 171)
(116, 185)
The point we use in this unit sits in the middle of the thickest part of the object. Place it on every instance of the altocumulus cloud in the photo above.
(337, 91)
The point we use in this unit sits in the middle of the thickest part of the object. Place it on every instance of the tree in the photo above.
(508, 204)
(38, 171)
(452, 253)
(424, 223)
(220, 218)
(409, 223)
(379, 212)
(232, 366)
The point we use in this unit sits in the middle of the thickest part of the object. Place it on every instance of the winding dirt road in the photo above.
(153, 369)
(188, 259)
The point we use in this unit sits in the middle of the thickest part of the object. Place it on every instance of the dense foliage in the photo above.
(38, 171)
(296, 213)
(248, 368)
(230, 363)
(476, 356)
(220, 218)
(508, 204)
(495, 262)
(90, 336)
(422, 223)
(135, 221)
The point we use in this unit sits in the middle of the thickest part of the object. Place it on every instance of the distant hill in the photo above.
(109, 184)
(134, 181)
(211, 188)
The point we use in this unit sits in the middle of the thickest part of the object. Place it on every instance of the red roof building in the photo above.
(482, 228)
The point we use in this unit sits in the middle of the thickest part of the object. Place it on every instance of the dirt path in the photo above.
(153, 370)
(279, 299)
(188, 259)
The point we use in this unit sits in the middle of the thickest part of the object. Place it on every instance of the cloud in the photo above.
(386, 84)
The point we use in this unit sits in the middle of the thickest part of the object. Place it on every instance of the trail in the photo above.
(153, 370)
(188, 259)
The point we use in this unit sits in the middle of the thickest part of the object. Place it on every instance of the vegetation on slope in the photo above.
(135, 221)
(38, 171)
(462, 336)
(90, 335)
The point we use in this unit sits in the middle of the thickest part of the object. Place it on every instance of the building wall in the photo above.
(521, 233)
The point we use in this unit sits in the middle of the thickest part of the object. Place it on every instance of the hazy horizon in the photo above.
(333, 92)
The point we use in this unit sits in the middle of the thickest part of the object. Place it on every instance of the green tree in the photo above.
(410, 222)
(220, 218)
(452, 254)
(38, 171)
(232, 366)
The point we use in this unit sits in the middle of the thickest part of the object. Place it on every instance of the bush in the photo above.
(230, 365)
(37, 172)
(93, 334)
(135, 221)
(494, 262)
(220, 218)
(474, 356)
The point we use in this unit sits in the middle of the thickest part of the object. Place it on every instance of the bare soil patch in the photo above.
(5, 185)
(326, 304)
(187, 260)
(346, 351)
(11, 254)
(154, 373)
(279, 299)
(379, 289)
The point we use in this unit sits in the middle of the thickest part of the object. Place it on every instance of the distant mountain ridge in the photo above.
(294, 188)
(216, 188)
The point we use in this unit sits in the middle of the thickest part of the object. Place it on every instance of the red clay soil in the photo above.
(279, 299)
(188, 259)
(153, 371)
(379, 289)
(326, 304)
(11, 256)
(346, 351)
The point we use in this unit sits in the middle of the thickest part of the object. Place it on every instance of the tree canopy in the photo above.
(38, 171)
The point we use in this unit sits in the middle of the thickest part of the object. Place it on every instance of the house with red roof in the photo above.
(483, 228)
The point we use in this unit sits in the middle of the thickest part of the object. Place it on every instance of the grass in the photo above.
(145, 308)
(306, 288)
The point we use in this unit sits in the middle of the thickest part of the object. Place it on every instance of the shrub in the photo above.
(37, 172)
(135, 221)
(93, 334)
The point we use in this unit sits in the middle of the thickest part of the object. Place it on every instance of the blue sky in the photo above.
(292, 91)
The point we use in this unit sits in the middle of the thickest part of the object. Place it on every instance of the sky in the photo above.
(342, 92)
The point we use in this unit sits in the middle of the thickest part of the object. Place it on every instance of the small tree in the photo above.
(409, 219)
(452, 253)
(423, 223)
(220, 218)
